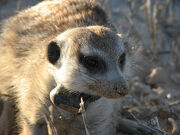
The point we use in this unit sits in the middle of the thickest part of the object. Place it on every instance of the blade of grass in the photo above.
(82, 111)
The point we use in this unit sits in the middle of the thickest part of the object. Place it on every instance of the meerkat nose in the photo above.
(122, 89)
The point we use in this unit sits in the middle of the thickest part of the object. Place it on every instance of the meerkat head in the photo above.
(90, 60)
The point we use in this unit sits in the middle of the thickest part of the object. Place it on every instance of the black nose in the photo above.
(120, 88)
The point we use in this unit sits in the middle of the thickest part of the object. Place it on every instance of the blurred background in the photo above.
(155, 91)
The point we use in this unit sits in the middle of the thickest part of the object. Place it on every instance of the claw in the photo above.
(54, 92)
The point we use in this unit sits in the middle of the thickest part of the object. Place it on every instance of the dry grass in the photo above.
(156, 24)
(154, 97)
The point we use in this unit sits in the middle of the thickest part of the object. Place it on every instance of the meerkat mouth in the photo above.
(70, 101)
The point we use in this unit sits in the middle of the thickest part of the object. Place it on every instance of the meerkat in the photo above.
(58, 52)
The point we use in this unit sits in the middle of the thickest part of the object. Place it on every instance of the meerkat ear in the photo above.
(53, 52)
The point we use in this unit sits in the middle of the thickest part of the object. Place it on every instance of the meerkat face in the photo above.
(91, 60)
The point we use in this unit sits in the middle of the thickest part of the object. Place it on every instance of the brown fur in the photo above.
(7, 112)
(24, 67)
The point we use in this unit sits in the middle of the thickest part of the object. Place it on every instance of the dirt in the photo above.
(155, 91)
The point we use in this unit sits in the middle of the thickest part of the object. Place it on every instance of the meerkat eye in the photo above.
(93, 64)
(122, 60)
(53, 52)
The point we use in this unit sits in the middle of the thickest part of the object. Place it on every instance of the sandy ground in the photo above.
(155, 91)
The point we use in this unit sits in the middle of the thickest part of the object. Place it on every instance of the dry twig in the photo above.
(153, 129)
(174, 103)
(173, 124)
(155, 27)
(51, 128)
(19, 5)
(148, 15)
(82, 111)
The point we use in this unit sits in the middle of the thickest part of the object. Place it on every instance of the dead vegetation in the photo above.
(153, 104)
(155, 96)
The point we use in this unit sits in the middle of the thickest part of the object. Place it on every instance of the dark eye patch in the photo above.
(93, 64)
(53, 52)
(122, 60)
